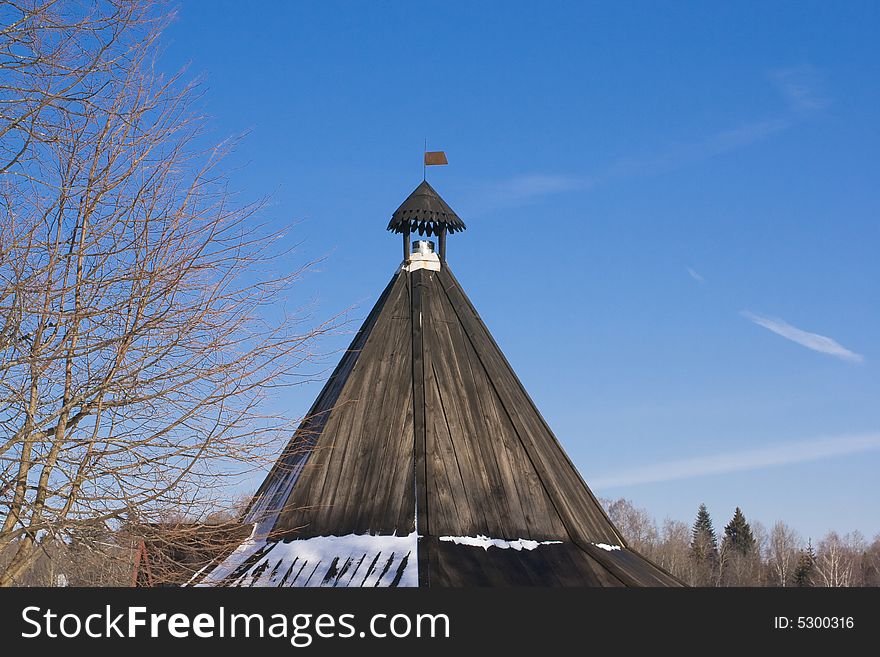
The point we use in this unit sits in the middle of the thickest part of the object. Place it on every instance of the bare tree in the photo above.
(837, 560)
(669, 547)
(142, 318)
(783, 550)
(636, 524)
(673, 550)
(759, 559)
(775, 558)
(872, 563)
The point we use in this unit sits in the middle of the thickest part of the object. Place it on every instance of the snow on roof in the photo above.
(485, 542)
(352, 560)
(606, 547)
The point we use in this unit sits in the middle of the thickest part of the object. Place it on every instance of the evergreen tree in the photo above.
(704, 544)
(803, 572)
(738, 536)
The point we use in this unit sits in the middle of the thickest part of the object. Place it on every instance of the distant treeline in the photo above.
(747, 554)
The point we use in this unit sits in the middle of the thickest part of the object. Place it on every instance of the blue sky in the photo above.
(672, 215)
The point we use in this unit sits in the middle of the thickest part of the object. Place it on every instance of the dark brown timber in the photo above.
(425, 427)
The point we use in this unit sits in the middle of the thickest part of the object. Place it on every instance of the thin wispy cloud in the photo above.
(821, 343)
(522, 189)
(801, 87)
(742, 461)
(719, 143)
(798, 86)
(519, 190)
(695, 275)
(537, 184)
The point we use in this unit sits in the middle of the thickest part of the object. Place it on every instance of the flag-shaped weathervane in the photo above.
(433, 158)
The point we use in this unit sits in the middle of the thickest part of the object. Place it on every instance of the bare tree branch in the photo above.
(142, 309)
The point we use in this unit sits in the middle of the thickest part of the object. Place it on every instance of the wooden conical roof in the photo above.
(425, 212)
(424, 462)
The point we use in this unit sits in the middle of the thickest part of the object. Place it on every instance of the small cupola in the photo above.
(426, 213)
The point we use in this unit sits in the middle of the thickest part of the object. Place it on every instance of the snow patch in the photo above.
(352, 560)
(606, 547)
(485, 542)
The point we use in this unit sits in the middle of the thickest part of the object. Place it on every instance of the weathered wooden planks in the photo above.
(360, 477)
(495, 478)
(550, 565)
(424, 425)
(419, 280)
(578, 509)
(301, 446)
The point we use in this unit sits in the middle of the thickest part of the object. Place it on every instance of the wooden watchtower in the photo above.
(423, 461)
